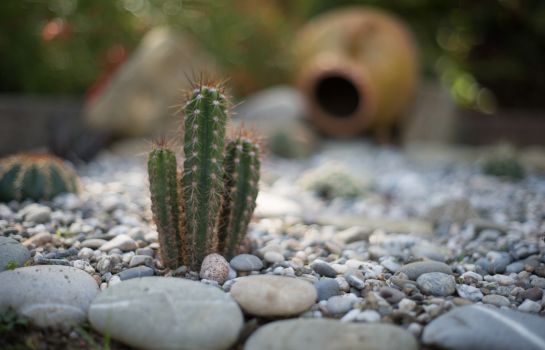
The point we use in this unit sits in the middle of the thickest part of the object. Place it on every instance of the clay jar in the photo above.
(357, 69)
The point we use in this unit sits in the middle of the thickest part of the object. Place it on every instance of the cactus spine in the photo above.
(205, 123)
(241, 186)
(37, 176)
(162, 170)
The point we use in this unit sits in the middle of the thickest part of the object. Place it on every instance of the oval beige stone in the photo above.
(271, 296)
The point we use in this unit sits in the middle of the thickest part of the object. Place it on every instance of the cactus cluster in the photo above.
(205, 205)
(37, 176)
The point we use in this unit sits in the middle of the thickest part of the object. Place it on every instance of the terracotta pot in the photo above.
(357, 68)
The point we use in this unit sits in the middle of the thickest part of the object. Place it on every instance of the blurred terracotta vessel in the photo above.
(357, 68)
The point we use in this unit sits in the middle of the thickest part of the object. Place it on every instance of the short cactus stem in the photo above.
(241, 187)
(204, 133)
(37, 176)
(162, 170)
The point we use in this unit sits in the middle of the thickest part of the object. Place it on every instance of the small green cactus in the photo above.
(241, 177)
(37, 176)
(333, 180)
(207, 207)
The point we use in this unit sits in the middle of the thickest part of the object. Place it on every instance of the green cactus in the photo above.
(163, 180)
(194, 203)
(241, 179)
(37, 176)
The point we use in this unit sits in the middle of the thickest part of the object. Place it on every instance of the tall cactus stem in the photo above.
(204, 133)
(163, 180)
(241, 179)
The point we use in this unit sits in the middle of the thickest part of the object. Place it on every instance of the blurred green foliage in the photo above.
(488, 52)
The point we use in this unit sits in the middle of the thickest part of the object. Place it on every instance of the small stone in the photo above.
(273, 257)
(326, 288)
(415, 269)
(135, 272)
(340, 304)
(324, 269)
(272, 296)
(138, 260)
(355, 281)
(85, 253)
(391, 295)
(540, 271)
(215, 268)
(83, 265)
(36, 213)
(49, 295)
(104, 265)
(406, 305)
(246, 262)
(436, 283)
(497, 262)
(537, 282)
(93, 243)
(167, 313)
(515, 267)
(391, 265)
(471, 277)
(12, 253)
(123, 242)
(529, 306)
(38, 239)
(469, 292)
(369, 316)
(533, 293)
(496, 299)
(144, 251)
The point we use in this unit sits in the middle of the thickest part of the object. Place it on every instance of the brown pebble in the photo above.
(215, 268)
(534, 294)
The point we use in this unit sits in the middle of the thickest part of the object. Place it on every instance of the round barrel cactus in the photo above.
(35, 176)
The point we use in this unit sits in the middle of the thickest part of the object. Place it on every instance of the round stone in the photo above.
(123, 242)
(324, 269)
(340, 304)
(12, 253)
(215, 268)
(49, 295)
(167, 313)
(273, 257)
(246, 262)
(436, 283)
(271, 296)
(496, 299)
(325, 334)
(415, 269)
(327, 288)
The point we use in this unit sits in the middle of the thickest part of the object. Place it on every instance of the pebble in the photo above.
(537, 282)
(340, 304)
(37, 213)
(495, 299)
(93, 243)
(273, 257)
(123, 242)
(246, 262)
(272, 296)
(415, 269)
(469, 292)
(39, 239)
(135, 272)
(533, 293)
(529, 306)
(471, 277)
(324, 269)
(49, 295)
(325, 334)
(138, 260)
(497, 262)
(391, 295)
(391, 265)
(355, 281)
(327, 288)
(369, 316)
(515, 267)
(407, 305)
(215, 268)
(12, 253)
(186, 314)
(480, 327)
(436, 283)
(144, 251)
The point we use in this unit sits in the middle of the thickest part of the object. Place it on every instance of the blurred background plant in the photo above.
(489, 53)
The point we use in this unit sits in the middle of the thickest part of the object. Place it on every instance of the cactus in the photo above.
(37, 176)
(163, 180)
(241, 178)
(187, 211)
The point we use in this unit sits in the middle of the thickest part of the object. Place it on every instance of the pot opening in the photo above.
(337, 96)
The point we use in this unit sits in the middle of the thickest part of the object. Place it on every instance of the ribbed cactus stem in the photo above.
(204, 133)
(241, 186)
(162, 172)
